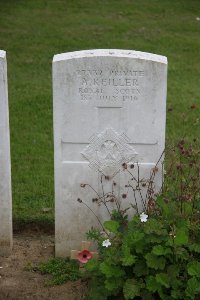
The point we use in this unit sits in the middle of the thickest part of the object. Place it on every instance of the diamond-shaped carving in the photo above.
(107, 151)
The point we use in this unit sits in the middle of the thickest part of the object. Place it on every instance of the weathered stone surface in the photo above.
(109, 108)
(5, 168)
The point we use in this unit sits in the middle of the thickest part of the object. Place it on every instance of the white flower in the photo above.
(143, 217)
(106, 243)
(198, 19)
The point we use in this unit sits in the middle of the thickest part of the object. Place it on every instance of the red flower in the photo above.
(84, 256)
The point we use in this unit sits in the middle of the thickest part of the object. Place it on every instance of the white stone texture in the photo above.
(109, 108)
(5, 165)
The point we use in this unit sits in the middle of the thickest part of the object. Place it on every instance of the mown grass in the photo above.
(33, 31)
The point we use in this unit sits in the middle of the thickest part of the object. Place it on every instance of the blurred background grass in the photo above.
(33, 31)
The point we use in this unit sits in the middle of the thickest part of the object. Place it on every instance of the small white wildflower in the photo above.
(143, 217)
(106, 243)
(198, 19)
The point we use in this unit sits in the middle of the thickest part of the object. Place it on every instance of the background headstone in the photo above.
(5, 165)
(109, 109)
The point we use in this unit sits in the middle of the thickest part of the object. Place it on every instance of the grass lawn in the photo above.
(33, 31)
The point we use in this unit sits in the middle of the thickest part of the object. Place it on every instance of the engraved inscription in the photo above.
(107, 151)
(110, 84)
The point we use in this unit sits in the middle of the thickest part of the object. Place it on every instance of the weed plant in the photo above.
(156, 253)
(60, 269)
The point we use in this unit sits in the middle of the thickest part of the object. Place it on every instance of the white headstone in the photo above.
(5, 168)
(109, 109)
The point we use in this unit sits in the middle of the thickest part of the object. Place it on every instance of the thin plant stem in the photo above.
(93, 189)
(116, 200)
(144, 206)
(81, 201)
(104, 196)
(129, 185)
(131, 175)
(153, 174)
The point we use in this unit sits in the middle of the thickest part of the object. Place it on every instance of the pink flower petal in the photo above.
(84, 256)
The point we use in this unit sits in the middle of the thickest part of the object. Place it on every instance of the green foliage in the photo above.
(140, 265)
(160, 250)
(181, 237)
(127, 258)
(92, 266)
(155, 262)
(131, 289)
(110, 270)
(97, 290)
(160, 258)
(193, 287)
(163, 279)
(112, 226)
(152, 284)
(194, 269)
(93, 234)
(194, 247)
(61, 269)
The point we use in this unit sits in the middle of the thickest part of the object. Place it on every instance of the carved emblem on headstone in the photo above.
(107, 151)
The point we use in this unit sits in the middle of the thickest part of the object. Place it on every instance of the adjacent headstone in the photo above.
(5, 165)
(109, 109)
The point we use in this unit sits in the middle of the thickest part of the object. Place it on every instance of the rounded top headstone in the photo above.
(111, 52)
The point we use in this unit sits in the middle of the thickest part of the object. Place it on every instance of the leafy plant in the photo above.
(155, 254)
